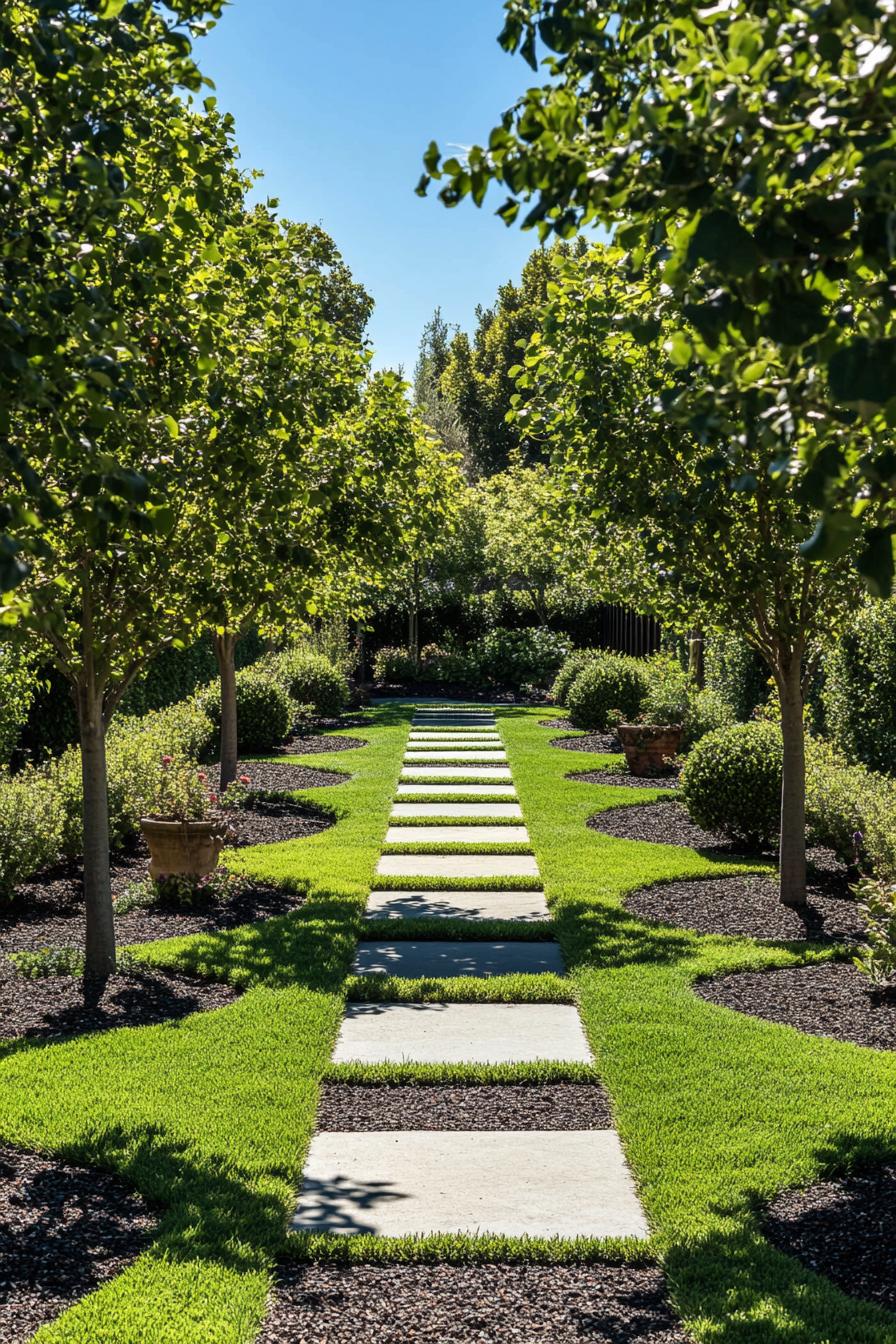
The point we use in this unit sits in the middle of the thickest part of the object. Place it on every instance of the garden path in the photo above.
(510, 1182)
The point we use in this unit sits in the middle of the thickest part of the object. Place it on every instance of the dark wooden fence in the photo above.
(624, 631)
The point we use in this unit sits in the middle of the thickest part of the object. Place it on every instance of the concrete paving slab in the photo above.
(514, 1183)
(489, 790)
(456, 754)
(460, 1033)
(457, 740)
(473, 810)
(457, 865)
(473, 905)
(457, 835)
(454, 957)
(454, 721)
(464, 773)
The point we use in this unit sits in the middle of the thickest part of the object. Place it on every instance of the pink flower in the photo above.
(166, 760)
(202, 776)
(213, 797)
(244, 779)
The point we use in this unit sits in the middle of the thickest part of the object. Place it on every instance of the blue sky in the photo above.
(336, 100)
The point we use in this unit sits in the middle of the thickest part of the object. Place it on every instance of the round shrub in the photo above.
(393, 666)
(859, 695)
(264, 711)
(731, 783)
(577, 661)
(311, 679)
(518, 657)
(610, 681)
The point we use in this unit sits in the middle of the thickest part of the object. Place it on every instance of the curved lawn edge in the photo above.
(717, 1112)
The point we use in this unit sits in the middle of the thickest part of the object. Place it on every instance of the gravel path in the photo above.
(470, 1304)
(64, 1230)
(843, 1228)
(445, 1106)
(832, 999)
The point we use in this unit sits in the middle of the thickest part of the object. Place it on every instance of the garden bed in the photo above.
(65, 1005)
(606, 744)
(844, 1228)
(344, 1106)
(49, 910)
(314, 743)
(280, 777)
(269, 821)
(748, 906)
(64, 1230)
(662, 823)
(831, 999)
(469, 1304)
(621, 779)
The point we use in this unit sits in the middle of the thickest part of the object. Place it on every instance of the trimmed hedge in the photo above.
(859, 694)
(731, 783)
(310, 680)
(610, 681)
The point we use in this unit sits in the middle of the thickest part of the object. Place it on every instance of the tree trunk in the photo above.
(415, 618)
(793, 787)
(225, 653)
(99, 944)
(696, 659)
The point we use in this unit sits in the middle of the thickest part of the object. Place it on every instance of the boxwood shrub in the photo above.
(731, 783)
(609, 681)
(515, 658)
(312, 681)
(859, 695)
(264, 710)
(576, 662)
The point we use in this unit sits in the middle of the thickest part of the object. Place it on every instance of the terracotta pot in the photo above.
(191, 847)
(648, 746)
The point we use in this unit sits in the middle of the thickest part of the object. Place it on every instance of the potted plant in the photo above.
(653, 740)
(183, 834)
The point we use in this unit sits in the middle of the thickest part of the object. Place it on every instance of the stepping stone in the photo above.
(462, 773)
(457, 835)
(440, 959)
(458, 754)
(409, 790)
(514, 1183)
(457, 865)
(483, 810)
(454, 721)
(461, 1033)
(419, 740)
(472, 905)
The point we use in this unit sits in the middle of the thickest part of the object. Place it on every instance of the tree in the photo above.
(747, 153)
(105, 447)
(692, 539)
(78, 90)
(521, 550)
(436, 407)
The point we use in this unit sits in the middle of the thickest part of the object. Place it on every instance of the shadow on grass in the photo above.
(595, 934)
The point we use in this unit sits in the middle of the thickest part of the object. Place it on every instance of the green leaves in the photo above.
(864, 371)
(724, 242)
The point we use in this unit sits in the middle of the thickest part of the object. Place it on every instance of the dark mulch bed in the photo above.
(62, 1005)
(606, 743)
(831, 999)
(278, 777)
(64, 1230)
(269, 821)
(433, 690)
(844, 1228)
(556, 723)
(663, 823)
(470, 1304)
(49, 910)
(619, 779)
(748, 906)
(308, 746)
(477, 1106)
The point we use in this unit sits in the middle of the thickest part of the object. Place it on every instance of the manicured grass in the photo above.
(385, 882)
(717, 1110)
(458, 847)
(516, 988)
(455, 821)
(210, 1117)
(436, 927)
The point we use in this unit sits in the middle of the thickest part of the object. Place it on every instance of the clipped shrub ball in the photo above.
(393, 666)
(577, 661)
(731, 783)
(610, 681)
(311, 679)
(264, 710)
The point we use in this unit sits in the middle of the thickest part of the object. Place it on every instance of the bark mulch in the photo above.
(748, 906)
(64, 1230)
(619, 779)
(267, 821)
(832, 999)
(470, 1304)
(844, 1228)
(344, 1106)
(278, 777)
(663, 823)
(63, 1005)
(315, 742)
(556, 723)
(606, 743)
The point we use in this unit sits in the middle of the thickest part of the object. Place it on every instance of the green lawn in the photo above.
(210, 1117)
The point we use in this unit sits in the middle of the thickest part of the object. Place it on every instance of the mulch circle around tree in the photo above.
(470, 1304)
(316, 742)
(844, 1228)
(65, 1005)
(64, 1231)
(278, 777)
(606, 744)
(347, 1107)
(747, 906)
(831, 999)
(618, 779)
(663, 823)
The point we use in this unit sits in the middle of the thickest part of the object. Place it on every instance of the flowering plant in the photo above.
(237, 792)
(182, 792)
